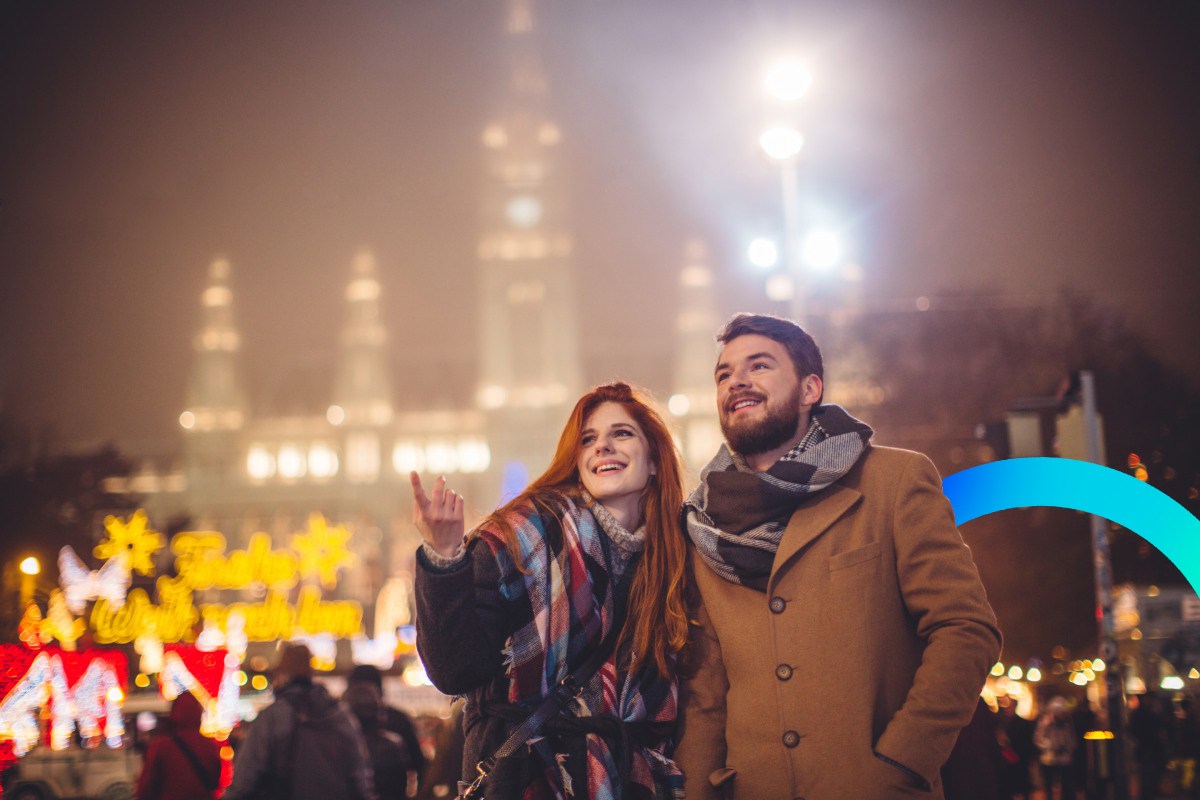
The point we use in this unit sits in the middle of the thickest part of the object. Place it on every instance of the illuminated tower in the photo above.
(693, 399)
(529, 369)
(216, 405)
(362, 395)
(362, 391)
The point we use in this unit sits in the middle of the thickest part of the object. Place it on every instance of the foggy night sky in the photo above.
(998, 149)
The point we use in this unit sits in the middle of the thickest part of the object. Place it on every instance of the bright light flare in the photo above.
(788, 80)
(763, 253)
(781, 143)
(1172, 683)
(30, 566)
(822, 250)
(780, 288)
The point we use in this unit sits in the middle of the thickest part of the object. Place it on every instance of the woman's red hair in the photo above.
(656, 626)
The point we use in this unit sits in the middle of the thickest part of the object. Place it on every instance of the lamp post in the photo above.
(787, 81)
(30, 569)
(782, 145)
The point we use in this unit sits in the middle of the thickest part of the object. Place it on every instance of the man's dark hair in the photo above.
(803, 350)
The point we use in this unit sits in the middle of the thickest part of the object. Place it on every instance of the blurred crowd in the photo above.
(1062, 753)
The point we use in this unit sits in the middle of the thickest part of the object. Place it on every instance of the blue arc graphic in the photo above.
(1079, 485)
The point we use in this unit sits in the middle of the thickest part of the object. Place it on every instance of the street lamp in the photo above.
(782, 144)
(763, 253)
(822, 249)
(30, 568)
(788, 80)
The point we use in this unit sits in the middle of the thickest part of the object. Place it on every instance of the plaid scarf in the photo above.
(571, 565)
(736, 517)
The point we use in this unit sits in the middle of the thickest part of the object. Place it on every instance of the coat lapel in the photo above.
(811, 520)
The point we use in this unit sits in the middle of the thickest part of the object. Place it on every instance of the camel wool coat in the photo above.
(851, 677)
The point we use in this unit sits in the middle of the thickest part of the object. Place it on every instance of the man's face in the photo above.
(761, 400)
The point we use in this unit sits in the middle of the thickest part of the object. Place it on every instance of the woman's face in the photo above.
(614, 460)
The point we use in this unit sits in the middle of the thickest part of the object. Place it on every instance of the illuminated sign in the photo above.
(289, 579)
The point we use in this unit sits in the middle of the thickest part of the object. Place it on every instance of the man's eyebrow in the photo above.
(723, 365)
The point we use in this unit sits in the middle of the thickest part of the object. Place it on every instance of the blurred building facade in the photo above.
(245, 470)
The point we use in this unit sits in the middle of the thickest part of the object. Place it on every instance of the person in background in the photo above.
(445, 770)
(304, 746)
(1016, 742)
(1148, 729)
(1055, 739)
(390, 765)
(181, 763)
(395, 721)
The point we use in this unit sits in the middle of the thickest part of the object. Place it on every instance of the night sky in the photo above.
(1003, 151)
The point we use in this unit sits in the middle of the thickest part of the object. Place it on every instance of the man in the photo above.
(304, 745)
(395, 721)
(843, 632)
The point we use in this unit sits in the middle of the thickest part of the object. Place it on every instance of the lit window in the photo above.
(291, 462)
(260, 463)
(407, 457)
(217, 296)
(441, 457)
(492, 396)
(474, 455)
(362, 289)
(322, 461)
(548, 134)
(362, 457)
(494, 137)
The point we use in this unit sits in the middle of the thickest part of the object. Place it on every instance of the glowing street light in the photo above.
(822, 250)
(763, 253)
(788, 80)
(781, 143)
(30, 567)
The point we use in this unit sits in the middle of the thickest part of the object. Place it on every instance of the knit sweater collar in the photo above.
(629, 542)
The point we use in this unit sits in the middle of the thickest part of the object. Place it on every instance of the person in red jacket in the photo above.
(181, 763)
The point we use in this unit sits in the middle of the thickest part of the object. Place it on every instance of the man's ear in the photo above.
(810, 389)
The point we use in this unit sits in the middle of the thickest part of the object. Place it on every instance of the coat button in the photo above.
(783, 672)
(791, 739)
(777, 605)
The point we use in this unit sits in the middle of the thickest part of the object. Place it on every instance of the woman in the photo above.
(510, 611)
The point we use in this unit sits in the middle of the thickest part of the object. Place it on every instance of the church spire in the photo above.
(530, 355)
(362, 390)
(215, 401)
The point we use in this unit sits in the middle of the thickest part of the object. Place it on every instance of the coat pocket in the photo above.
(857, 556)
(722, 781)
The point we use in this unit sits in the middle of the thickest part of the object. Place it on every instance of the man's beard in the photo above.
(780, 424)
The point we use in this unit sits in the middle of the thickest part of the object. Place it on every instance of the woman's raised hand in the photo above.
(439, 518)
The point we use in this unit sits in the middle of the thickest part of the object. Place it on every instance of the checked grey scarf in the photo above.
(736, 517)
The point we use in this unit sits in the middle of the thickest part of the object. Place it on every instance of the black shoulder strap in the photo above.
(209, 780)
(566, 690)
